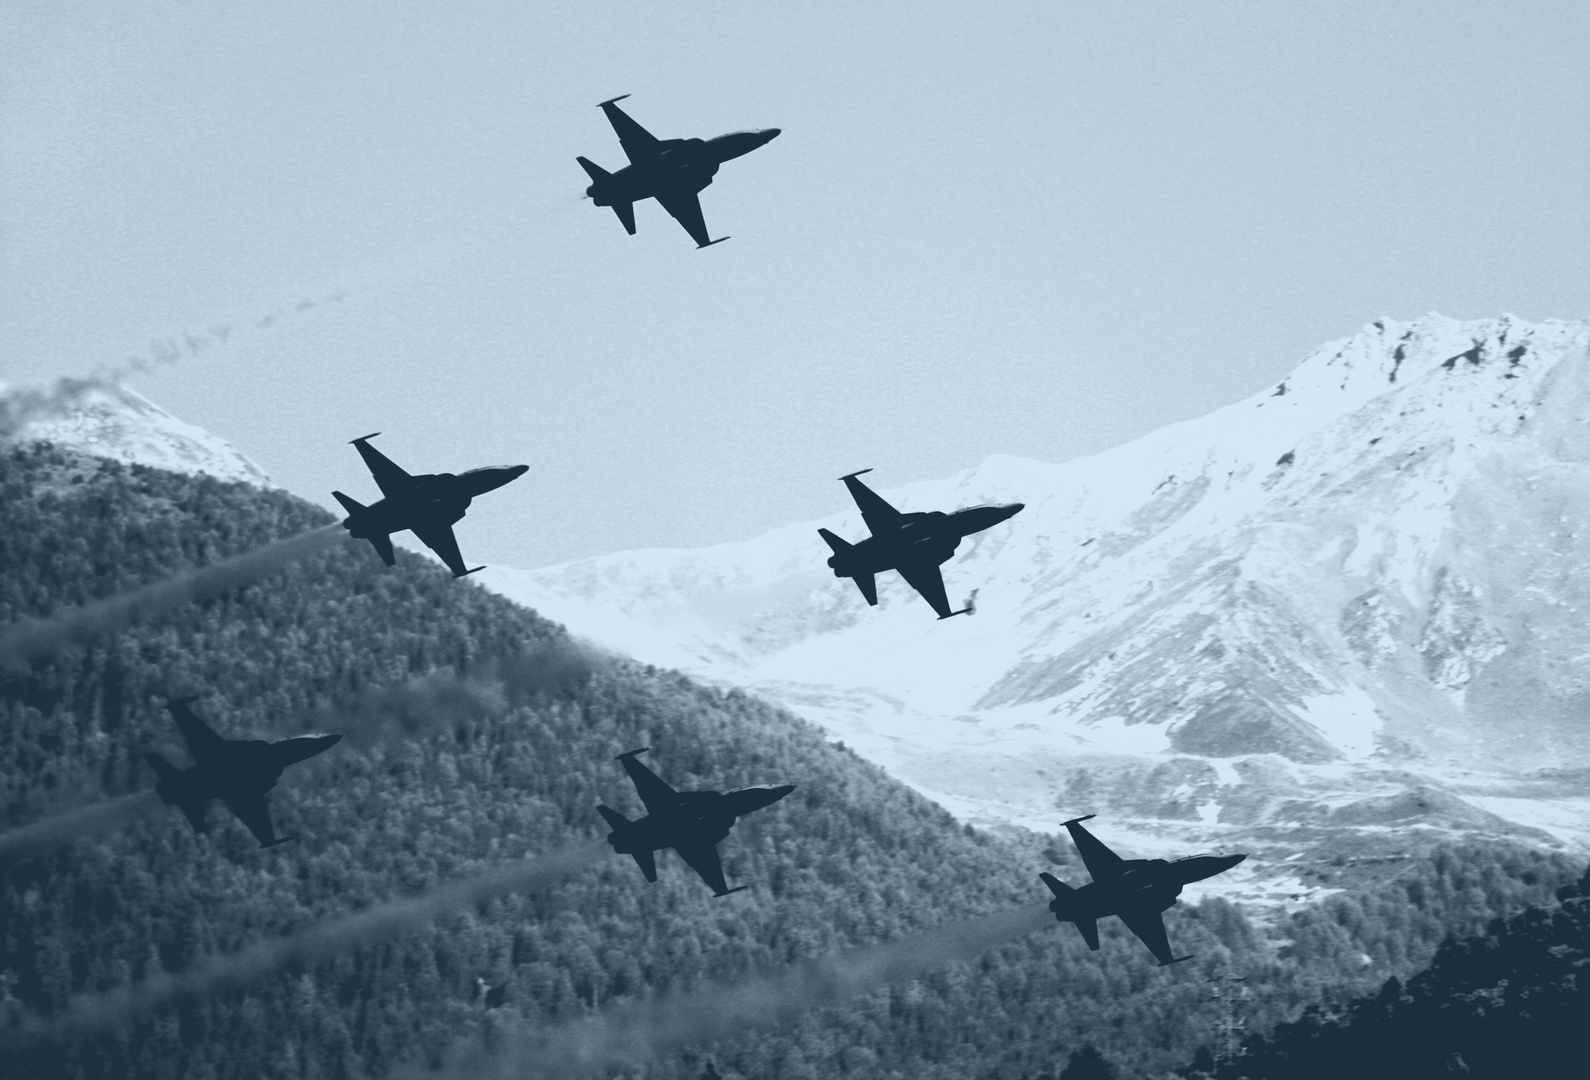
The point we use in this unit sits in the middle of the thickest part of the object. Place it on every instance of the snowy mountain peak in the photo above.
(109, 420)
(1361, 581)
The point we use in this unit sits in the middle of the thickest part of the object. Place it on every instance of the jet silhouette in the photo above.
(237, 771)
(690, 822)
(1137, 890)
(425, 505)
(914, 544)
(672, 171)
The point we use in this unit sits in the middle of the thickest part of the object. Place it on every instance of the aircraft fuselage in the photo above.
(920, 538)
(679, 165)
(700, 817)
(240, 766)
(433, 498)
(1143, 884)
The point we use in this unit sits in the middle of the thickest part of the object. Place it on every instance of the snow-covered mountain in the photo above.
(1350, 605)
(111, 421)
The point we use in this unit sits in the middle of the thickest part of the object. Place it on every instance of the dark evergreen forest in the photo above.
(850, 858)
(1510, 1002)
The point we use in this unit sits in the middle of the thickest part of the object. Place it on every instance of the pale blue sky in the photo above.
(1024, 228)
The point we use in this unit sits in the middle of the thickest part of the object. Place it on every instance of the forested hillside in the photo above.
(1510, 1002)
(849, 858)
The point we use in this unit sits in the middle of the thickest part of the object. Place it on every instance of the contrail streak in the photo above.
(36, 638)
(125, 1004)
(63, 828)
(626, 1036)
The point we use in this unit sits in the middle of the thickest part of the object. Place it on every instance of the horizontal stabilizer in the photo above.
(868, 584)
(1089, 929)
(382, 542)
(1056, 886)
(353, 506)
(163, 768)
(839, 544)
(592, 169)
(731, 892)
(709, 243)
(626, 216)
(613, 817)
(647, 861)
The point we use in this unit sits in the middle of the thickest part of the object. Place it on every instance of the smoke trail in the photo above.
(35, 638)
(626, 1036)
(113, 1008)
(432, 702)
(50, 832)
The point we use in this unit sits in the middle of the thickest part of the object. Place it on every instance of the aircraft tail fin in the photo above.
(626, 215)
(1089, 929)
(353, 506)
(592, 169)
(613, 817)
(868, 584)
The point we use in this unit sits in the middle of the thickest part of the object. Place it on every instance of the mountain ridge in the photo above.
(1307, 607)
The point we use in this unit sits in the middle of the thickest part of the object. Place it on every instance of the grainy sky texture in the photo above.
(1037, 229)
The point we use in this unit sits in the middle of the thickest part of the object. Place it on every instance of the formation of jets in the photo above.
(692, 823)
(237, 771)
(672, 171)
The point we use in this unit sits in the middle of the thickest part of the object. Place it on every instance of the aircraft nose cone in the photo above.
(332, 740)
(518, 470)
(781, 791)
(1012, 509)
(769, 134)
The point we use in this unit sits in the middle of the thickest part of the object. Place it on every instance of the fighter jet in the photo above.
(425, 505)
(672, 171)
(237, 771)
(914, 544)
(690, 822)
(1135, 889)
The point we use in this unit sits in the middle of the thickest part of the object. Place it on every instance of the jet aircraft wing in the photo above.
(686, 209)
(251, 810)
(926, 579)
(703, 859)
(1148, 925)
(1101, 861)
(388, 476)
(203, 744)
(652, 789)
(440, 539)
(638, 143)
(878, 514)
